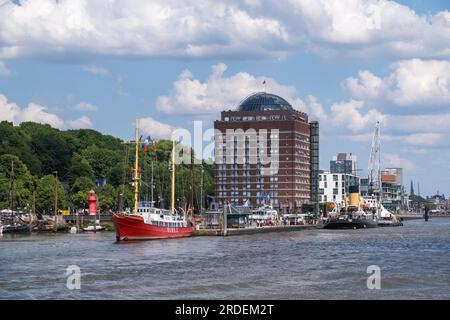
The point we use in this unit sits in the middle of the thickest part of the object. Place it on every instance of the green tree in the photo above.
(13, 140)
(50, 146)
(100, 159)
(79, 199)
(83, 184)
(80, 191)
(45, 192)
(107, 198)
(80, 167)
(19, 183)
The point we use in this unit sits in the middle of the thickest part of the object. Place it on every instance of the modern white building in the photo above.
(332, 186)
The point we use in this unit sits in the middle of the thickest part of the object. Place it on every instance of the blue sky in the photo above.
(98, 64)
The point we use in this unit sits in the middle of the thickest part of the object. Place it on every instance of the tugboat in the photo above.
(352, 216)
(148, 222)
(351, 222)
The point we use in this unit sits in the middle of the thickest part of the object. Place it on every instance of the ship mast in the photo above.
(136, 170)
(172, 200)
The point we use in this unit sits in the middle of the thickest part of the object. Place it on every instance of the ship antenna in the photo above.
(136, 170)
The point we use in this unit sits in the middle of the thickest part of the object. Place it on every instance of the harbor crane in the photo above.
(374, 169)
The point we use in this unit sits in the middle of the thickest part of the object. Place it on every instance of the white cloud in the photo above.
(84, 106)
(118, 87)
(437, 123)
(364, 27)
(11, 112)
(155, 129)
(312, 107)
(349, 115)
(411, 82)
(4, 71)
(427, 139)
(136, 28)
(393, 160)
(99, 71)
(37, 113)
(218, 92)
(191, 28)
(80, 123)
(420, 82)
(8, 111)
(367, 85)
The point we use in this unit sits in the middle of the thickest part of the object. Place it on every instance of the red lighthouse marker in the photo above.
(92, 200)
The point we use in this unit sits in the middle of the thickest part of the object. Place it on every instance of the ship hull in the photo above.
(351, 224)
(134, 228)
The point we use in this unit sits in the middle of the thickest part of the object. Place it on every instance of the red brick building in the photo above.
(266, 152)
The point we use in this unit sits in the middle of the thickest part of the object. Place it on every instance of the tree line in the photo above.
(36, 159)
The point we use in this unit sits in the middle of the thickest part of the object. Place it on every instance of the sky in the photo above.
(101, 64)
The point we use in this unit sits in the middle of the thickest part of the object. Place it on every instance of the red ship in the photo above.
(148, 222)
(151, 223)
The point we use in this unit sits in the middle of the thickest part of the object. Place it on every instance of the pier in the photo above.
(254, 230)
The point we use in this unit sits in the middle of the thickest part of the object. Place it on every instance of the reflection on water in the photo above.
(314, 264)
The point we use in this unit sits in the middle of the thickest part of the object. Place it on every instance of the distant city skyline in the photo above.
(100, 65)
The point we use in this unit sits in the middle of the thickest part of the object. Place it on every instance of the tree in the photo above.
(45, 192)
(80, 167)
(15, 141)
(100, 159)
(107, 198)
(50, 146)
(83, 184)
(115, 174)
(79, 199)
(21, 182)
(80, 191)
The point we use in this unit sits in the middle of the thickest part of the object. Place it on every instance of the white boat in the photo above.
(264, 214)
(94, 228)
(385, 217)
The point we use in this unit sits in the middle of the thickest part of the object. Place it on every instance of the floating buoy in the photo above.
(73, 230)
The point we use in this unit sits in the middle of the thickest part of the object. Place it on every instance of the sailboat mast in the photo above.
(380, 182)
(172, 200)
(11, 190)
(136, 170)
(151, 190)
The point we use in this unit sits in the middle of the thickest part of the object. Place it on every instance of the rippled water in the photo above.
(316, 264)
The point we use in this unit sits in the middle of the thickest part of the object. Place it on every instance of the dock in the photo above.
(86, 217)
(254, 230)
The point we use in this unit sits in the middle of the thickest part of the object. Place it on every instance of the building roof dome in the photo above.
(261, 101)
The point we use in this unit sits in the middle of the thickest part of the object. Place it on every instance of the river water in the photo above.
(312, 264)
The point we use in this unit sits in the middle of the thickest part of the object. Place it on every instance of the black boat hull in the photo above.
(350, 224)
(16, 229)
